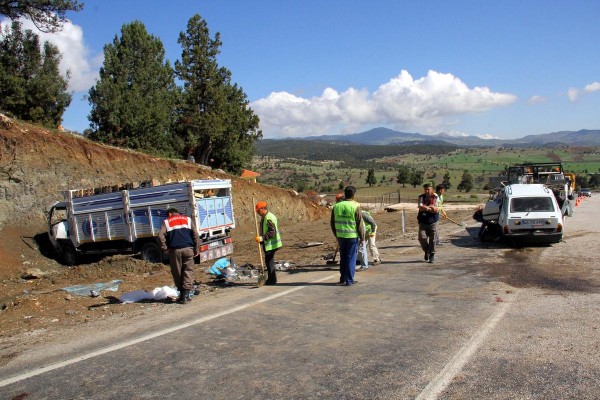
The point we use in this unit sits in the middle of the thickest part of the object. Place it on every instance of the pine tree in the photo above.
(466, 182)
(31, 87)
(134, 101)
(46, 15)
(403, 176)
(446, 180)
(215, 121)
(417, 176)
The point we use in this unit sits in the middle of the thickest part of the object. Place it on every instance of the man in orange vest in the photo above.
(270, 239)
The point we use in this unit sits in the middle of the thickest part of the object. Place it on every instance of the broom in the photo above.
(462, 224)
(262, 277)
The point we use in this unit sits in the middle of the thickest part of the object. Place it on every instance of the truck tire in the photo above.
(151, 252)
(68, 255)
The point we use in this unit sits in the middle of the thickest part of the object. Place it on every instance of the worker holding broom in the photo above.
(428, 217)
(270, 239)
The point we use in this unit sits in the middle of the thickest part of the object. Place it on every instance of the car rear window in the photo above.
(531, 204)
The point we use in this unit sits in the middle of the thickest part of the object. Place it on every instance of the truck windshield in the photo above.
(532, 204)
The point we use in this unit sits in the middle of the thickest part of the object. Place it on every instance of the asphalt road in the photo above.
(408, 330)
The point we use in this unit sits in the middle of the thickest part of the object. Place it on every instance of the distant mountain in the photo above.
(377, 136)
(385, 136)
(583, 137)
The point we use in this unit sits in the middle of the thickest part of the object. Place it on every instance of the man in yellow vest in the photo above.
(348, 227)
(270, 239)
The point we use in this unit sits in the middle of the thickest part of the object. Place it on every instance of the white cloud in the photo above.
(592, 87)
(76, 56)
(464, 134)
(430, 103)
(573, 94)
(536, 99)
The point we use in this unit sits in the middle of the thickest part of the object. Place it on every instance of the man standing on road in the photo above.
(270, 239)
(178, 236)
(349, 229)
(440, 190)
(428, 217)
(370, 232)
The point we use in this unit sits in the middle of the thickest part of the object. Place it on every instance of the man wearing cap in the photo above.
(348, 227)
(270, 239)
(428, 217)
(178, 236)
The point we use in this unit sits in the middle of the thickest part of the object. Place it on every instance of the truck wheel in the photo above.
(151, 252)
(68, 255)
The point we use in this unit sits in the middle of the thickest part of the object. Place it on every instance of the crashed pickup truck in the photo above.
(128, 221)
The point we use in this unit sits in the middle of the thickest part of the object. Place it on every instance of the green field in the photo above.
(481, 163)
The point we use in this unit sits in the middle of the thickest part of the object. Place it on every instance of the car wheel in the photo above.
(151, 252)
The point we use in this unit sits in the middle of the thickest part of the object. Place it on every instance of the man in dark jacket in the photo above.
(428, 217)
(178, 236)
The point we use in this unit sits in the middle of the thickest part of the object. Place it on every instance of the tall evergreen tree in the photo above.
(446, 180)
(46, 15)
(31, 87)
(134, 101)
(403, 176)
(215, 123)
(417, 176)
(466, 182)
(47, 91)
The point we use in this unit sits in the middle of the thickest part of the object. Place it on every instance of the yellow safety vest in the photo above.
(274, 242)
(344, 214)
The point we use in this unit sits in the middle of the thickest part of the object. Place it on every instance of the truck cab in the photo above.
(530, 213)
(58, 232)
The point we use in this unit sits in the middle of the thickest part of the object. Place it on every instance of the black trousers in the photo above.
(270, 266)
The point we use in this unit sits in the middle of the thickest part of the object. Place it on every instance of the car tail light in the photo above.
(559, 228)
(204, 247)
(228, 240)
(505, 229)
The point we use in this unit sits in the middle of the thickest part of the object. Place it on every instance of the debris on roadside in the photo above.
(158, 294)
(86, 290)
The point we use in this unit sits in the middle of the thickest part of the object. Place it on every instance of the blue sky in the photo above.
(501, 69)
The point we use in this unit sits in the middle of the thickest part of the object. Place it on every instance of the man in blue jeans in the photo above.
(349, 229)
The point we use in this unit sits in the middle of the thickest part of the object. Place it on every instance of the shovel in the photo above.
(262, 277)
(306, 244)
(332, 261)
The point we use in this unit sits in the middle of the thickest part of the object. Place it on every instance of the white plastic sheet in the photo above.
(159, 293)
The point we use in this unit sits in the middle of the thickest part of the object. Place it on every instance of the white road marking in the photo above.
(163, 332)
(455, 365)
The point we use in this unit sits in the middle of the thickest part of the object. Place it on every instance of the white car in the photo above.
(530, 213)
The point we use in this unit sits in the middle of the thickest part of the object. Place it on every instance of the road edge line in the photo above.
(438, 384)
